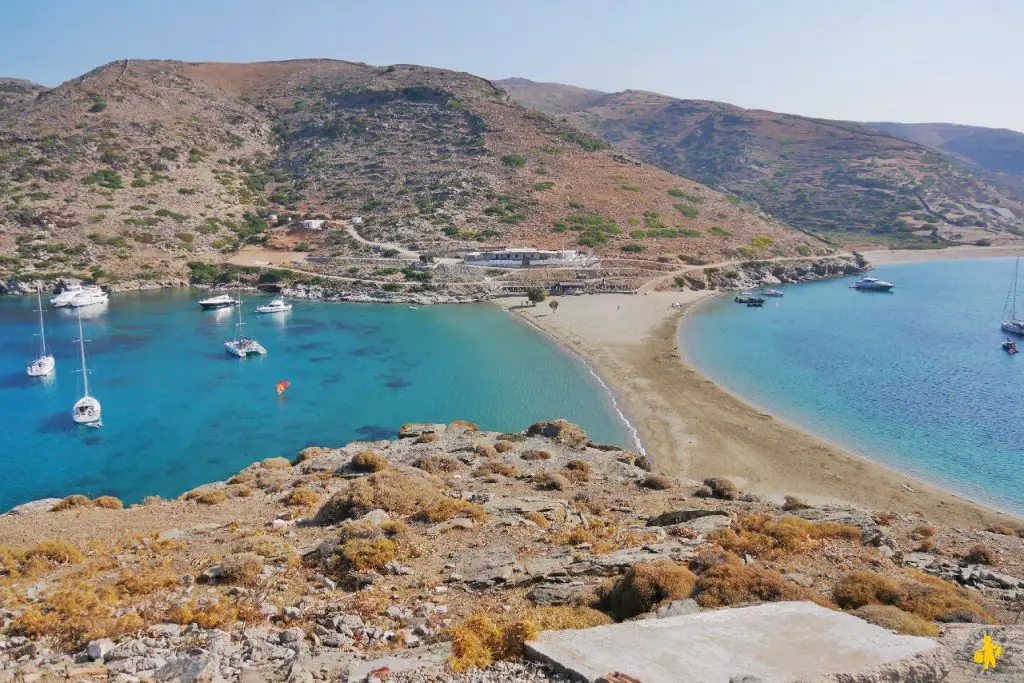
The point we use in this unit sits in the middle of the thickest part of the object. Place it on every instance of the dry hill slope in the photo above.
(138, 167)
(834, 177)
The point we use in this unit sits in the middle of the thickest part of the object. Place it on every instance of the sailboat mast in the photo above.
(81, 345)
(1016, 270)
(42, 329)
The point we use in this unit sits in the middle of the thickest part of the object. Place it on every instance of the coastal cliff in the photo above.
(446, 550)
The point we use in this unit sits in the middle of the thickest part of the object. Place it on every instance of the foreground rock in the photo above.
(768, 643)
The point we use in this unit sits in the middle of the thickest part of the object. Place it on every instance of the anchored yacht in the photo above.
(243, 346)
(1012, 323)
(87, 410)
(45, 364)
(70, 292)
(873, 284)
(89, 297)
(219, 301)
(278, 305)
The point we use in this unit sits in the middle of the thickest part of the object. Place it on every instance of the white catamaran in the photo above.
(45, 364)
(242, 346)
(87, 409)
(1013, 324)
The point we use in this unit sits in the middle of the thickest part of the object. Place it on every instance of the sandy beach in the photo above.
(887, 257)
(694, 429)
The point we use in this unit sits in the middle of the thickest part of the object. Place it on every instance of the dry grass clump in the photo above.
(732, 582)
(981, 554)
(242, 569)
(645, 586)
(221, 614)
(883, 518)
(502, 446)
(243, 477)
(922, 531)
(398, 494)
(369, 461)
(485, 450)
(761, 536)
(438, 464)
(1002, 530)
(926, 596)
(657, 482)
(310, 452)
(794, 503)
(467, 426)
(551, 480)
(895, 619)
(478, 641)
(534, 454)
(108, 502)
(271, 547)
(300, 496)
(76, 612)
(275, 463)
(39, 559)
(494, 467)
(363, 554)
(561, 431)
(142, 581)
(152, 500)
(926, 545)
(720, 488)
(238, 491)
(75, 501)
(537, 518)
(210, 497)
(516, 437)
(577, 471)
(427, 437)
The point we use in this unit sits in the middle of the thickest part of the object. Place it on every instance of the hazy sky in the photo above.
(875, 60)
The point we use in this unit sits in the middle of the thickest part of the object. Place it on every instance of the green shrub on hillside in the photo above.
(516, 160)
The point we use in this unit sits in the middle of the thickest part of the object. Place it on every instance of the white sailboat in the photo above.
(241, 345)
(45, 364)
(87, 409)
(1013, 324)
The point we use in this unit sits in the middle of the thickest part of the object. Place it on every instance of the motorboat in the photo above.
(749, 300)
(1009, 346)
(89, 297)
(219, 301)
(87, 410)
(277, 305)
(1012, 323)
(774, 293)
(872, 284)
(45, 364)
(755, 303)
(243, 346)
(70, 292)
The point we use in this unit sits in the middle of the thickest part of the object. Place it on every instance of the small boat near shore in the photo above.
(45, 364)
(277, 305)
(1011, 323)
(1009, 346)
(749, 300)
(87, 410)
(872, 284)
(215, 302)
(774, 293)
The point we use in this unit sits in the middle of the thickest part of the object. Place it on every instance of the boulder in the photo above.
(676, 608)
(98, 649)
(679, 516)
(484, 568)
(549, 594)
(197, 668)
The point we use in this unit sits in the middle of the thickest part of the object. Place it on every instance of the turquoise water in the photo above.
(178, 411)
(914, 379)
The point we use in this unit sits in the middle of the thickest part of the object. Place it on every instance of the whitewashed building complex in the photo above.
(524, 257)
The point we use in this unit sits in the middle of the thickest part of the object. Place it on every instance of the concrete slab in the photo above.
(779, 642)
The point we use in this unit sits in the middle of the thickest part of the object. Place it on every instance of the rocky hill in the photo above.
(997, 154)
(842, 179)
(448, 550)
(139, 167)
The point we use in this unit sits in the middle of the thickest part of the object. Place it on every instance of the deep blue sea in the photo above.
(178, 411)
(914, 379)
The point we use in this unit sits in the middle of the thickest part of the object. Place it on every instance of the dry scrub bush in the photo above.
(270, 547)
(398, 494)
(75, 501)
(429, 437)
(438, 464)
(1002, 530)
(925, 596)
(658, 482)
(243, 477)
(221, 614)
(309, 452)
(577, 471)
(363, 554)
(883, 518)
(645, 586)
(212, 497)
(897, 620)
(108, 502)
(515, 437)
(75, 613)
(502, 446)
(242, 569)
(794, 503)
(369, 461)
(494, 467)
(238, 491)
(478, 642)
(533, 454)
(300, 496)
(732, 582)
(39, 559)
(722, 488)
(561, 431)
(980, 554)
(275, 463)
(467, 426)
(141, 581)
(551, 480)
(922, 531)
(537, 518)
(152, 500)
(485, 450)
(761, 536)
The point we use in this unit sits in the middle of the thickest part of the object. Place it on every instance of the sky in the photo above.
(869, 60)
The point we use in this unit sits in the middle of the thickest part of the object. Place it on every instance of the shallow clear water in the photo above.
(178, 411)
(914, 379)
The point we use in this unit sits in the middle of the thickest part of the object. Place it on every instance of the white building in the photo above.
(313, 224)
(524, 257)
(357, 220)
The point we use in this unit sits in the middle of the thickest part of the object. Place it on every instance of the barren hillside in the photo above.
(138, 167)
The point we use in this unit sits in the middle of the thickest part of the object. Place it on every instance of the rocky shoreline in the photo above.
(395, 559)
